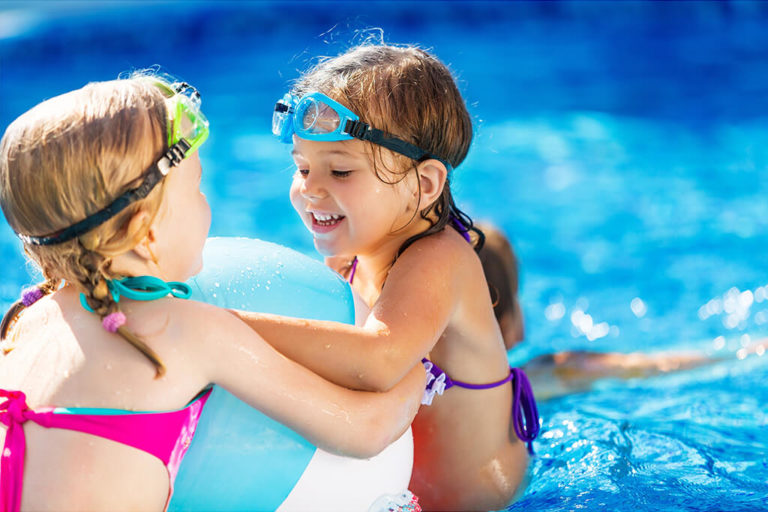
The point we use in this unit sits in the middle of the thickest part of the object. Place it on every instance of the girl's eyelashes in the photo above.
(336, 173)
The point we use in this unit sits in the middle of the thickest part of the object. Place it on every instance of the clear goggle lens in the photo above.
(188, 124)
(186, 120)
(314, 117)
(317, 117)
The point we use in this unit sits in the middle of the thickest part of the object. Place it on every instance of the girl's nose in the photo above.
(312, 187)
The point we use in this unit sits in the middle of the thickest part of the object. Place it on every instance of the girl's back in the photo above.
(67, 469)
(86, 367)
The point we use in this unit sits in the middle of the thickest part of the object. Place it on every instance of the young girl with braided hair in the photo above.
(377, 133)
(102, 185)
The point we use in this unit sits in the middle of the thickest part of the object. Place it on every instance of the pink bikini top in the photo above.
(166, 435)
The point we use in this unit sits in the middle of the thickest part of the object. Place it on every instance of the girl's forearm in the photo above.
(355, 357)
(376, 420)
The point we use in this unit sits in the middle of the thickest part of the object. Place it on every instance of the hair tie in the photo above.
(113, 321)
(31, 295)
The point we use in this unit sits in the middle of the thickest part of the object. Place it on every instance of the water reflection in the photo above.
(734, 307)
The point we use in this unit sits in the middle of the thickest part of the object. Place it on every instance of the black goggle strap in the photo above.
(156, 173)
(282, 107)
(363, 131)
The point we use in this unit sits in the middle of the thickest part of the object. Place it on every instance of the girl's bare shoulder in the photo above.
(446, 250)
(179, 317)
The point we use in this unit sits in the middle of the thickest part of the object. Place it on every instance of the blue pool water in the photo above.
(621, 145)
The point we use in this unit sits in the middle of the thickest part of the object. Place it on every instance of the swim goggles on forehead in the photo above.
(315, 116)
(187, 130)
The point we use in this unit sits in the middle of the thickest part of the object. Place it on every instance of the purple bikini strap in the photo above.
(449, 382)
(352, 272)
(460, 227)
(525, 414)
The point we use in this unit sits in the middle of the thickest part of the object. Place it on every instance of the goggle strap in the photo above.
(175, 154)
(152, 178)
(363, 131)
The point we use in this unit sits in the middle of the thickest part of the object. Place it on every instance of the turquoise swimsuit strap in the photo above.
(142, 288)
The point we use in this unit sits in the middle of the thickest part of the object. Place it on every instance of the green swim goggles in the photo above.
(315, 116)
(187, 130)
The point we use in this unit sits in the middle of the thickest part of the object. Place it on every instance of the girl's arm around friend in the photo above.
(416, 304)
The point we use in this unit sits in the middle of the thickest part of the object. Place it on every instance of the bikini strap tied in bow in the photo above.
(525, 414)
(14, 413)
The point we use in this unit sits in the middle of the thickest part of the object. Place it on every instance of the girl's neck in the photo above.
(373, 265)
(370, 273)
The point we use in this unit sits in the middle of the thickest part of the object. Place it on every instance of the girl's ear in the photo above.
(145, 248)
(432, 175)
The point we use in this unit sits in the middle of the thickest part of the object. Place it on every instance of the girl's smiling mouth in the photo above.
(325, 222)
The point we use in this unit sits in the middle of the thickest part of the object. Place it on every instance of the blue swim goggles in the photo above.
(315, 116)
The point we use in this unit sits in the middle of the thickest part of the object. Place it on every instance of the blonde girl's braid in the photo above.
(29, 297)
(93, 276)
